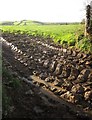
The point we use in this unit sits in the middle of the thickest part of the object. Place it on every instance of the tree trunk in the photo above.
(88, 22)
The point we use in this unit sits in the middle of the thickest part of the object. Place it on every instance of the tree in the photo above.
(88, 21)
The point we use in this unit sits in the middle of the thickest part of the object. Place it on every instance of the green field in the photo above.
(70, 34)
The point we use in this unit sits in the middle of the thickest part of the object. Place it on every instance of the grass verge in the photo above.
(10, 84)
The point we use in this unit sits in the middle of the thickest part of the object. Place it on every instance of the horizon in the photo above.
(36, 21)
(55, 11)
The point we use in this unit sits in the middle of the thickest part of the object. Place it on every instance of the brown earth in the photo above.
(56, 82)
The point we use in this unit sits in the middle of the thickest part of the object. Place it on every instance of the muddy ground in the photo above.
(56, 82)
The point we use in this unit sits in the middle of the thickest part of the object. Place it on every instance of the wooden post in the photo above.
(88, 21)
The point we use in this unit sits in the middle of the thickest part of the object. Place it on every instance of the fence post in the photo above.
(88, 22)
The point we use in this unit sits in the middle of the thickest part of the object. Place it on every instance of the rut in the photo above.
(63, 74)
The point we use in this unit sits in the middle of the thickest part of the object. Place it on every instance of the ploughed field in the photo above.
(64, 74)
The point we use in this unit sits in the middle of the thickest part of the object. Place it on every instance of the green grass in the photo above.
(0, 79)
(6, 100)
(70, 34)
(14, 83)
(0, 60)
(10, 84)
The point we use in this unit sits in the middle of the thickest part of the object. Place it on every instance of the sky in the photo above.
(42, 10)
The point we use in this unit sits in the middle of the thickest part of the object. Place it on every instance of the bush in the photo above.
(85, 45)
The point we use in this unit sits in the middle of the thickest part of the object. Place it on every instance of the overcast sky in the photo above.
(43, 10)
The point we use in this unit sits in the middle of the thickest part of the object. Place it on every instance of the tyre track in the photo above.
(61, 68)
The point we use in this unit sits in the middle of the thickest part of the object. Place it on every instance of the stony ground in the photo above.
(57, 80)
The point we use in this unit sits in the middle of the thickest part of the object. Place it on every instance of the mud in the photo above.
(64, 75)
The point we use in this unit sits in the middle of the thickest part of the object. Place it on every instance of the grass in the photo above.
(6, 100)
(10, 84)
(71, 34)
(0, 81)
(0, 60)
(14, 83)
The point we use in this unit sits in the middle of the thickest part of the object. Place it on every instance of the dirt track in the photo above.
(60, 74)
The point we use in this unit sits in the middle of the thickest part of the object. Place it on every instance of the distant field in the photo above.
(71, 34)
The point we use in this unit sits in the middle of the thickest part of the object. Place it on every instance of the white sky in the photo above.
(42, 10)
